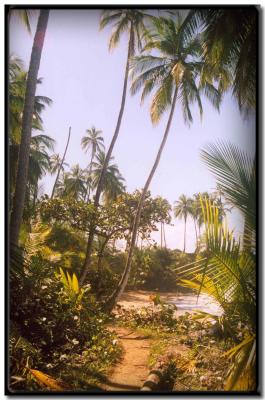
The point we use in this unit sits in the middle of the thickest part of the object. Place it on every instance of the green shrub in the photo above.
(54, 330)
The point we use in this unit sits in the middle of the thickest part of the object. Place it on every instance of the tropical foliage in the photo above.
(230, 51)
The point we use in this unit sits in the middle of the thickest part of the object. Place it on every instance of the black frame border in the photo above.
(260, 216)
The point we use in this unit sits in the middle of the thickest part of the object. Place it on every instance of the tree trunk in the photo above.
(185, 220)
(24, 149)
(161, 235)
(60, 167)
(105, 165)
(124, 279)
(35, 193)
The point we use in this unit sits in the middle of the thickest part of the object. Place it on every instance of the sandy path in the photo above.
(131, 372)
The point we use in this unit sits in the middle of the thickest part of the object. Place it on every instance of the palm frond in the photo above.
(235, 172)
(119, 28)
(161, 100)
(226, 274)
(109, 16)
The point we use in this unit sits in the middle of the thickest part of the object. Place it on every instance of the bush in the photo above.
(51, 329)
(152, 317)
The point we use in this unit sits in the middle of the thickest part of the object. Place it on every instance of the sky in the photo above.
(85, 81)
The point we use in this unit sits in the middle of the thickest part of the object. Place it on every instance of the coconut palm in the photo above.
(230, 41)
(24, 150)
(39, 159)
(55, 162)
(194, 212)
(17, 87)
(113, 181)
(39, 163)
(130, 21)
(235, 172)
(74, 183)
(16, 98)
(229, 276)
(94, 141)
(60, 166)
(183, 208)
(173, 72)
(24, 16)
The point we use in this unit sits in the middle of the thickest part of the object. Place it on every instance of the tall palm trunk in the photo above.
(161, 235)
(124, 279)
(185, 221)
(24, 148)
(60, 167)
(35, 194)
(106, 162)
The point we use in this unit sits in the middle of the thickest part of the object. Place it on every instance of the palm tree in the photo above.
(24, 16)
(197, 206)
(195, 214)
(17, 87)
(74, 183)
(16, 98)
(39, 162)
(230, 41)
(175, 74)
(113, 181)
(39, 165)
(229, 276)
(132, 22)
(61, 165)
(235, 172)
(182, 209)
(55, 162)
(23, 161)
(94, 141)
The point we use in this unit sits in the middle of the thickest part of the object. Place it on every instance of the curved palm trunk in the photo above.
(24, 149)
(124, 279)
(106, 162)
(60, 167)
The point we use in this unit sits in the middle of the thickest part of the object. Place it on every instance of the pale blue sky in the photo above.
(85, 82)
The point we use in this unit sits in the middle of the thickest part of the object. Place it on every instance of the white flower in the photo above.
(75, 317)
(44, 319)
(44, 287)
(75, 341)
(114, 341)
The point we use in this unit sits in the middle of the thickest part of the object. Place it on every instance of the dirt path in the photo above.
(132, 370)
